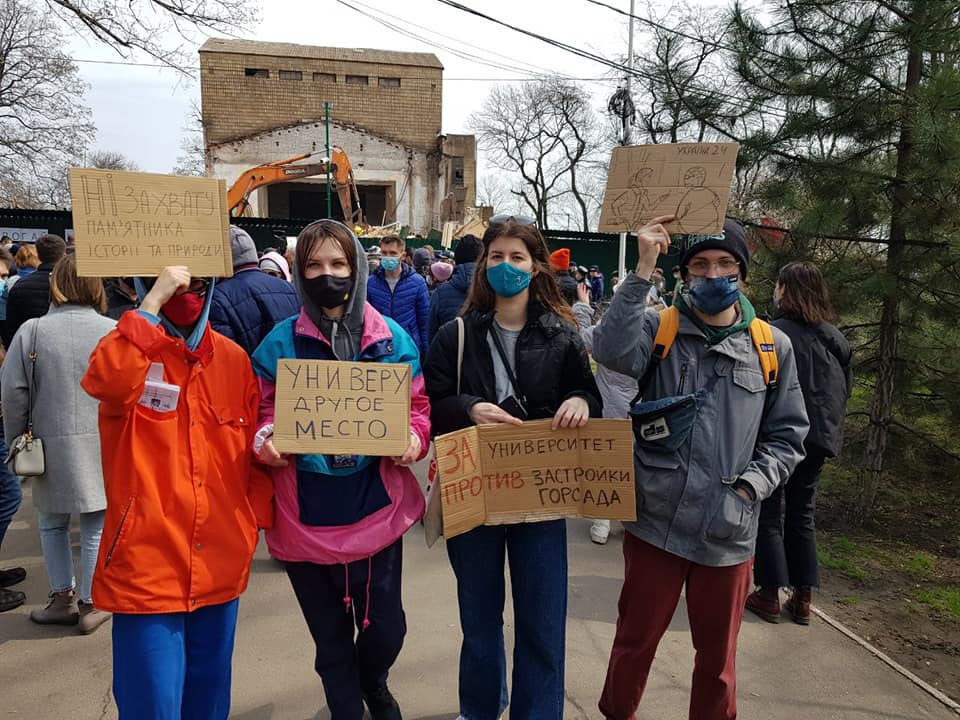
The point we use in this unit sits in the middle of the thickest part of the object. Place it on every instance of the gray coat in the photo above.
(686, 504)
(64, 416)
(616, 390)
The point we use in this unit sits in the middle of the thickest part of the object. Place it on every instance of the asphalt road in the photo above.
(785, 671)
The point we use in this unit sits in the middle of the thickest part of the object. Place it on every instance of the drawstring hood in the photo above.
(348, 600)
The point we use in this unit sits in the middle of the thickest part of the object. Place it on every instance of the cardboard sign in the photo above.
(500, 474)
(689, 180)
(342, 408)
(129, 223)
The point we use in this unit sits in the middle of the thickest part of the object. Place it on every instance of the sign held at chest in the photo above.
(501, 474)
(342, 408)
(130, 223)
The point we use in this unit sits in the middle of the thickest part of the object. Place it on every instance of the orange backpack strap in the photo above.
(667, 332)
(762, 335)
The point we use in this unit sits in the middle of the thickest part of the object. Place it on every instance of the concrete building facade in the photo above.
(263, 102)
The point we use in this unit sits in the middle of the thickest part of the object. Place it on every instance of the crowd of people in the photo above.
(155, 401)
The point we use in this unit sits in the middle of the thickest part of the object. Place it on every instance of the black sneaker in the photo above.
(10, 599)
(12, 576)
(382, 704)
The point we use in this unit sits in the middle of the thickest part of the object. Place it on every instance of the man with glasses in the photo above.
(701, 475)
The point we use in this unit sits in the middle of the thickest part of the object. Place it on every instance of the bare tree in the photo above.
(110, 160)
(192, 157)
(545, 132)
(162, 29)
(491, 192)
(44, 126)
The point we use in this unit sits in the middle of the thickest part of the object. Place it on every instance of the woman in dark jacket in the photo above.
(522, 357)
(787, 555)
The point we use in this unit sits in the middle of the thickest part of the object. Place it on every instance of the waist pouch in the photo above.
(664, 425)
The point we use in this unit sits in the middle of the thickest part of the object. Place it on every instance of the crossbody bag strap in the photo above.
(506, 365)
(460, 343)
(33, 375)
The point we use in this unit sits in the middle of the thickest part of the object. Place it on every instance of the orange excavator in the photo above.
(341, 175)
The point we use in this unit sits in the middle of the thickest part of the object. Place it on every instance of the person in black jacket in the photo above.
(787, 555)
(522, 356)
(30, 297)
(446, 301)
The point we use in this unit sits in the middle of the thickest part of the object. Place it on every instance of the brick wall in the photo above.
(235, 105)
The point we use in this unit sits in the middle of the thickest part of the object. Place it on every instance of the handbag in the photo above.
(433, 517)
(26, 457)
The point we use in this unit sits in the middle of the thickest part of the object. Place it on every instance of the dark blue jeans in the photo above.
(10, 492)
(786, 554)
(537, 553)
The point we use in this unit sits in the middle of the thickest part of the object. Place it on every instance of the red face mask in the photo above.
(184, 310)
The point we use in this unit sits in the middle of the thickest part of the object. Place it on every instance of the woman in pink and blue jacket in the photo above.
(340, 519)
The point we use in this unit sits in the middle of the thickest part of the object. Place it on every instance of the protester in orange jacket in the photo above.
(178, 403)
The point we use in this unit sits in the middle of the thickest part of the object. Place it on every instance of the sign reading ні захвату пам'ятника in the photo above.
(128, 223)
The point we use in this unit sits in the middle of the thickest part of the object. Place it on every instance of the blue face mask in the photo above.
(713, 295)
(389, 263)
(507, 280)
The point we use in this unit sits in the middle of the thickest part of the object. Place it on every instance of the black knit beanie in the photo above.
(734, 241)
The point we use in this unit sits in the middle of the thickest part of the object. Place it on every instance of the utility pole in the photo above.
(326, 122)
(627, 122)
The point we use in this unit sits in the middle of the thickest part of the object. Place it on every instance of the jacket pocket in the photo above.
(749, 379)
(658, 482)
(118, 534)
(734, 519)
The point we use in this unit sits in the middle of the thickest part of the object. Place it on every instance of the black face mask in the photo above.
(328, 291)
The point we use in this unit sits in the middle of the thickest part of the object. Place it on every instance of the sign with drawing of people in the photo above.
(688, 180)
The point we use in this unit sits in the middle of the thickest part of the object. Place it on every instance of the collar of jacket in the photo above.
(713, 335)
(405, 272)
(375, 341)
(538, 316)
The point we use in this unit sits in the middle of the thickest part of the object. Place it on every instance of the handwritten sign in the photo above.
(342, 408)
(22, 235)
(129, 223)
(688, 180)
(501, 474)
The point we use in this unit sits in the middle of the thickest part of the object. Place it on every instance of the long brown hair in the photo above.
(320, 232)
(543, 286)
(804, 293)
(67, 288)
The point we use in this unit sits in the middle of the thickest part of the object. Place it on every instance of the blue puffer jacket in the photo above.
(247, 306)
(408, 304)
(447, 299)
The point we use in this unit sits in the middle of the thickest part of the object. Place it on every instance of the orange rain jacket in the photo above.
(184, 499)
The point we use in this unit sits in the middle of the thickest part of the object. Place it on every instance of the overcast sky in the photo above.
(141, 111)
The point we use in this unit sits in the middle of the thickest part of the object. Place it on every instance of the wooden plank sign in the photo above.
(342, 408)
(128, 223)
(501, 474)
(688, 180)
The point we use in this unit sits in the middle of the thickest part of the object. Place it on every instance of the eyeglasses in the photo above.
(506, 217)
(198, 286)
(702, 267)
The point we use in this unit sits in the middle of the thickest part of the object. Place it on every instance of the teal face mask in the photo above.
(507, 280)
(389, 263)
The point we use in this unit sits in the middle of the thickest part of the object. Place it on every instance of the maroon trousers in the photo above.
(715, 597)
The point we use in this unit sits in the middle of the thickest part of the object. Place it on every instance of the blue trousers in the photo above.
(10, 492)
(537, 553)
(174, 666)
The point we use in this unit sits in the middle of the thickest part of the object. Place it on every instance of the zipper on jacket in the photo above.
(116, 537)
(683, 377)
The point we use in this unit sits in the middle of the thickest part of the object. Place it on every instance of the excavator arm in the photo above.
(341, 175)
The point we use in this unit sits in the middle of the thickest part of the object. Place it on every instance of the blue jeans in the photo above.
(58, 555)
(10, 492)
(174, 666)
(537, 553)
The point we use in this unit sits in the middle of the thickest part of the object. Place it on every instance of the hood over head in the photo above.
(343, 333)
(276, 262)
(143, 285)
(242, 246)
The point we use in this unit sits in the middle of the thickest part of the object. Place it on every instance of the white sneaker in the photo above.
(600, 531)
